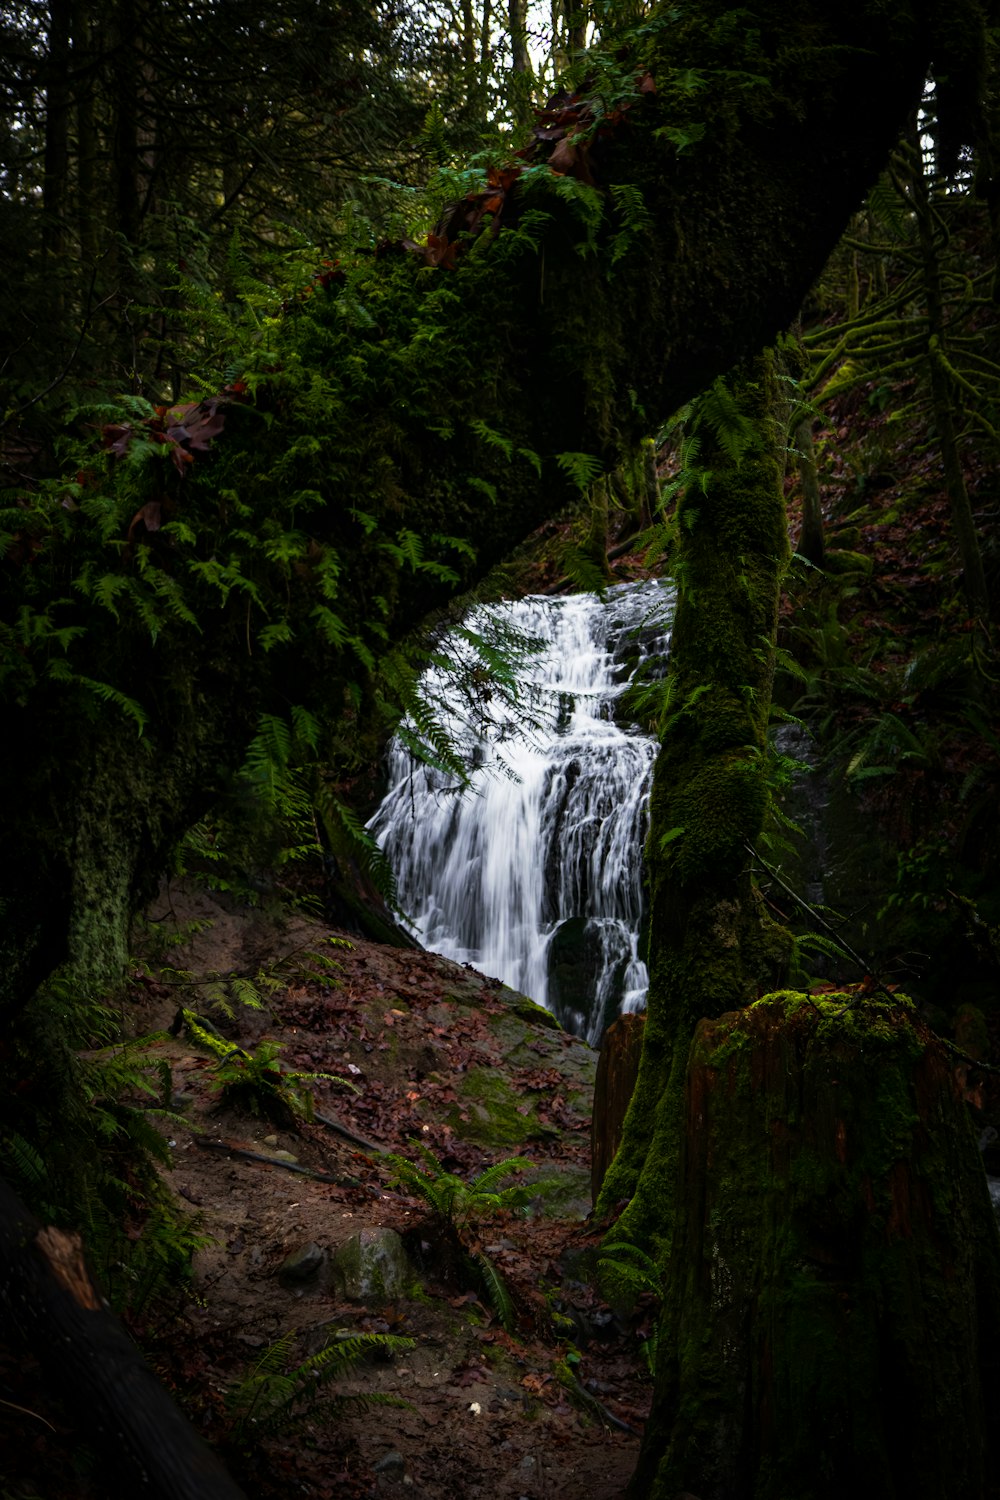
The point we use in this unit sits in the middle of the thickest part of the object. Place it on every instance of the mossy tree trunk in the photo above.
(832, 1324)
(811, 540)
(945, 393)
(804, 1169)
(711, 945)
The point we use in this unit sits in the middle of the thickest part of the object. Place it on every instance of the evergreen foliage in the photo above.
(256, 1082)
(457, 1207)
(273, 1398)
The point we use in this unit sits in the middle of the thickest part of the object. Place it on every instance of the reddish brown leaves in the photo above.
(185, 430)
(565, 135)
(149, 515)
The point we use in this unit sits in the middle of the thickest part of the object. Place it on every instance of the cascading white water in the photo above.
(535, 875)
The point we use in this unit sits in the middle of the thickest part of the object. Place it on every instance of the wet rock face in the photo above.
(371, 1267)
(578, 959)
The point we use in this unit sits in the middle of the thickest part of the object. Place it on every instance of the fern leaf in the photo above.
(496, 1290)
(27, 1163)
(493, 438)
(487, 1181)
(582, 468)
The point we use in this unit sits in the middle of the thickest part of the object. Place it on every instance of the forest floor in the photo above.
(442, 1056)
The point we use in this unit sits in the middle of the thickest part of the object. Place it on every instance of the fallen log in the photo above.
(108, 1390)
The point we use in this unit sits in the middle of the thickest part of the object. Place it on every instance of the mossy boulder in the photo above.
(371, 1267)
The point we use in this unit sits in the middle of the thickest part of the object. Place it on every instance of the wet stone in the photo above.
(371, 1266)
(304, 1262)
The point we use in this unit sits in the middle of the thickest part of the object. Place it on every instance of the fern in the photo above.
(339, 819)
(456, 1206)
(22, 1159)
(256, 1081)
(624, 1274)
(636, 220)
(719, 412)
(497, 1291)
(272, 1397)
(491, 437)
(582, 468)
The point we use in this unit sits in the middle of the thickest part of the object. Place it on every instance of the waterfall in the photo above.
(534, 874)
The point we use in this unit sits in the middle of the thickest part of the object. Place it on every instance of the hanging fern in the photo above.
(582, 468)
(718, 411)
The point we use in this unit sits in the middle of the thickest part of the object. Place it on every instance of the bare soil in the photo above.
(441, 1055)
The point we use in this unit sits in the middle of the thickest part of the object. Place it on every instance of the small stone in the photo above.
(284, 1156)
(304, 1262)
(391, 1463)
(270, 1140)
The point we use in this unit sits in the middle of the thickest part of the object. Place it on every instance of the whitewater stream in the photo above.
(534, 874)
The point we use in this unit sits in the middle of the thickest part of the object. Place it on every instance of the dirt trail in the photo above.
(444, 1056)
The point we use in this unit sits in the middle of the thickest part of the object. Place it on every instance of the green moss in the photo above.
(712, 946)
(493, 1111)
(831, 1214)
(528, 1010)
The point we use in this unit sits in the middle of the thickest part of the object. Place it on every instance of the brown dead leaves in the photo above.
(567, 137)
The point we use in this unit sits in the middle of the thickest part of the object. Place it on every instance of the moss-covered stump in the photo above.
(617, 1070)
(832, 1324)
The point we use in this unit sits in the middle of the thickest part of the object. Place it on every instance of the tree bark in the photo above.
(614, 1084)
(55, 183)
(520, 81)
(832, 1325)
(110, 1393)
(943, 399)
(810, 544)
(711, 945)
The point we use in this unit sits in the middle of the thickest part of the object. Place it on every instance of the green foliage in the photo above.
(276, 1396)
(83, 1138)
(456, 1202)
(582, 468)
(256, 1082)
(457, 1207)
(626, 1274)
(477, 676)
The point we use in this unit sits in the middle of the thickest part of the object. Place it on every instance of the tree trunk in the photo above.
(710, 944)
(87, 149)
(810, 544)
(110, 1393)
(595, 541)
(943, 399)
(55, 181)
(832, 1325)
(520, 81)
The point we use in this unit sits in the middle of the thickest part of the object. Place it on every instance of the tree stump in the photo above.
(832, 1322)
(617, 1070)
